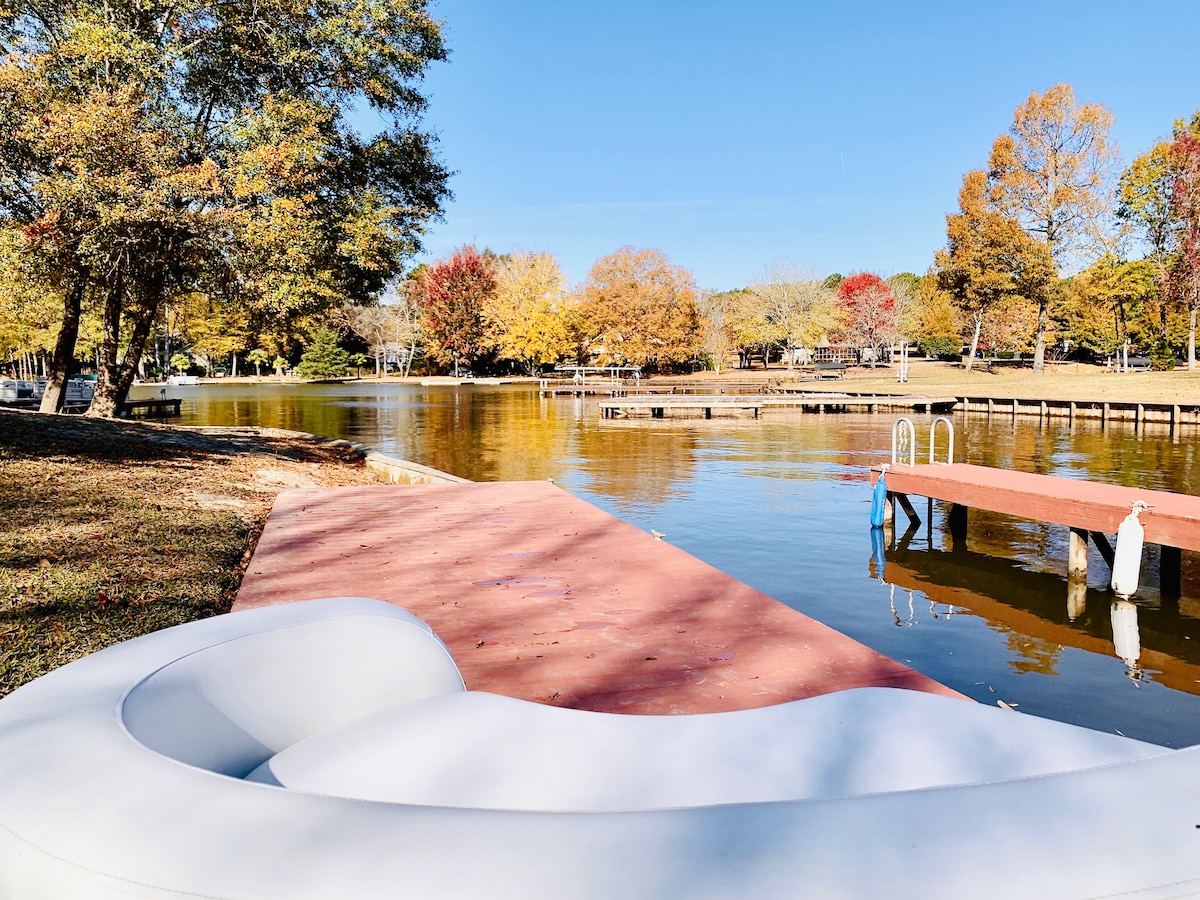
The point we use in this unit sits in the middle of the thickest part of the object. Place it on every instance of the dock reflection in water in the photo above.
(1155, 641)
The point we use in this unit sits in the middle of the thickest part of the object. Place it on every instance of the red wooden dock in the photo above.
(1090, 509)
(1172, 520)
(542, 596)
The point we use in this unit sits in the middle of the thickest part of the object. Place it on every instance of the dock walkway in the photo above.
(540, 595)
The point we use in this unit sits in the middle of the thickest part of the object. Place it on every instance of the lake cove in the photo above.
(782, 503)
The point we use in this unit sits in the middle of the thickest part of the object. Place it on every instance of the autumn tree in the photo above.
(717, 311)
(906, 293)
(1111, 301)
(526, 316)
(989, 258)
(1183, 274)
(391, 326)
(454, 293)
(1052, 173)
(215, 327)
(30, 306)
(641, 310)
(748, 324)
(1144, 203)
(869, 315)
(938, 328)
(256, 358)
(150, 150)
(797, 305)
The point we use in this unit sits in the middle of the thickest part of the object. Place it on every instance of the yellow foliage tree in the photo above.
(30, 307)
(526, 317)
(214, 328)
(939, 324)
(797, 306)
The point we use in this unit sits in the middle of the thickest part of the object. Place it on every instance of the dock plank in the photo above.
(542, 596)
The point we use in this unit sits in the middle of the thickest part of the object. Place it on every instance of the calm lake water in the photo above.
(781, 503)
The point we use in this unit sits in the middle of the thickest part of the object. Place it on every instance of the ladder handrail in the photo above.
(904, 442)
(933, 439)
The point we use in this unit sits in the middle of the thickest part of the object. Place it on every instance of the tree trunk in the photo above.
(974, 342)
(64, 350)
(1039, 350)
(104, 404)
(1192, 338)
(133, 355)
(112, 386)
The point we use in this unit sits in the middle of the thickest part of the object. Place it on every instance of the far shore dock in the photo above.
(540, 595)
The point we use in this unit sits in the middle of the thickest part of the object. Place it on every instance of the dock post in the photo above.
(1140, 418)
(906, 505)
(1104, 416)
(1071, 415)
(1077, 551)
(956, 521)
(889, 511)
(991, 403)
(1175, 417)
(1169, 571)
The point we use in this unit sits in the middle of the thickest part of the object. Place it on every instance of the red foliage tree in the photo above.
(869, 310)
(1183, 275)
(452, 294)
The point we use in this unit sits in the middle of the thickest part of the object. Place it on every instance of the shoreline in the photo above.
(1064, 382)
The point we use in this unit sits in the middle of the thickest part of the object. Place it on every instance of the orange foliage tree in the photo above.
(641, 310)
(1053, 172)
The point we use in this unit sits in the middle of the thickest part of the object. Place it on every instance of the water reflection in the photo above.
(781, 504)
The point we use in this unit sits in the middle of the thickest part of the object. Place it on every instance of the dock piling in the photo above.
(1077, 552)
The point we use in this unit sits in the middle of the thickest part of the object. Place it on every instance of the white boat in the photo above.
(79, 391)
(10, 391)
(183, 379)
(330, 749)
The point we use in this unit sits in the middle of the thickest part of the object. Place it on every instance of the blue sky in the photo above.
(834, 135)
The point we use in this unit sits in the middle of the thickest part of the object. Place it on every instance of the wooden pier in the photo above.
(754, 404)
(1104, 411)
(547, 388)
(159, 408)
(542, 596)
(658, 407)
(1091, 510)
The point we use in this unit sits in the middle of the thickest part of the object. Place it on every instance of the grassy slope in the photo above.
(109, 530)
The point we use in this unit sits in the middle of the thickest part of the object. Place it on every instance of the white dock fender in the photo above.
(1127, 559)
